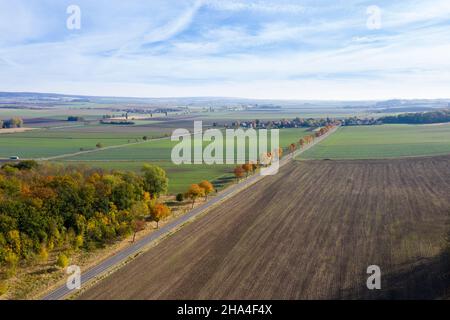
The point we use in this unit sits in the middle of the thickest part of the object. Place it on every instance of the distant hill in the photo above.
(46, 99)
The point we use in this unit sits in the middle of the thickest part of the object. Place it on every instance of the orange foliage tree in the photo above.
(292, 148)
(207, 188)
(159, 212)
(238, 172)
(248, 167)
(301, 142)
(194, 192)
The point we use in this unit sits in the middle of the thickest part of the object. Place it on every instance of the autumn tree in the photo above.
(138, 225)
(207, 188)
(266, 158)
(138, 212)
(43, 254)
(194, 192)
(160, 212)
(292, 148)
(63, 261)
(238, 172)
(280, 153)
(301, 142)
(248, 167)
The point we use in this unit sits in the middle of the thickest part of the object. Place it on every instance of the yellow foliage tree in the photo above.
(159, 212)
(194, 192)
(63, 261)
(207, 188)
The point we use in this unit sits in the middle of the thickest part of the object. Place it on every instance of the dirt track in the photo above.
(309, 232)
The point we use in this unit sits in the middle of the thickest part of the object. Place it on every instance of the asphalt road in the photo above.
(115, 260)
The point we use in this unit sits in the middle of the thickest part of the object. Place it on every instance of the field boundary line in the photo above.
(69, 155)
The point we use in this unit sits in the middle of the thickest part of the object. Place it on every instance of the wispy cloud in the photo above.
(262, 6)
(278, 49)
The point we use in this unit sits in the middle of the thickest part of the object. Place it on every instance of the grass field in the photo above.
(39, 144)
(386, 141)
(309, 232)
(159, 152)
(48, 143)
(180, 177)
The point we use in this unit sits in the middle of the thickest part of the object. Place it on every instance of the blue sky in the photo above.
(281, 49)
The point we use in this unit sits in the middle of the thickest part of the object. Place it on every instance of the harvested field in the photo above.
(309, 232)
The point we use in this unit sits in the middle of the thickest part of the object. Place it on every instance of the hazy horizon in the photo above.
(68, 94)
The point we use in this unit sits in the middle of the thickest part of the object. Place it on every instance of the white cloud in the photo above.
(325, 57)
(262, 6)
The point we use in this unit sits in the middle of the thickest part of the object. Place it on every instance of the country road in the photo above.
(138, 247)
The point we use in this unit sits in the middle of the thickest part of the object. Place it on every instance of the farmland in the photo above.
(55, 142)
(386, 141)
(316, 245)
(180, 177)
(159, 152)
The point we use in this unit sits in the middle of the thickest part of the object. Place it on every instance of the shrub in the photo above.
(43, 254)
(63, 261)
(3, 287)
(180, 197)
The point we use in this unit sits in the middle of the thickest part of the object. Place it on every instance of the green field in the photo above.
(159, 152)
(46, 143)
(38, 144)
(180, 177)
(386, 141)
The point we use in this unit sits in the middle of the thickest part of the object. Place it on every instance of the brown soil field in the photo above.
(309, 232)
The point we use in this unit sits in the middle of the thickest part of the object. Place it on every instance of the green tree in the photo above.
(155, 180)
